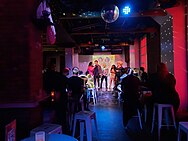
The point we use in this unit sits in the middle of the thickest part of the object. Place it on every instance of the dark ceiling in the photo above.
(79, 23)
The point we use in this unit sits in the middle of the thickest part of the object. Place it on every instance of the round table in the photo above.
(53, 137)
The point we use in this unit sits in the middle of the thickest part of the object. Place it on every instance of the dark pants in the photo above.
(96, 78)
(129, 110)
(60, 113)
(104, 77)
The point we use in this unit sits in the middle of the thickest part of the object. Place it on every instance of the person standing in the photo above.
(76, 89)
(90, 69)
(112, 75)
(61, 100)
(56, 84)
(143, 76)
(97, 73)
(119, 70)
(104, 76)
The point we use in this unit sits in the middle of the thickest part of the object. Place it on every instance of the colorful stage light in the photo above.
(126, 10)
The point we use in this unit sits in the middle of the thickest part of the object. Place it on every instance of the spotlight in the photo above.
(126, 10)
(102, 47)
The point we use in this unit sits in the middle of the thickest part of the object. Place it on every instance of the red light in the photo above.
(89, 42)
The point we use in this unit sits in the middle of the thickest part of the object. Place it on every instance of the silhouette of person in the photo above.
(57, 83)
(61, 100)
(143, 76)
(76, 88)
(130, 86)
(162, 84)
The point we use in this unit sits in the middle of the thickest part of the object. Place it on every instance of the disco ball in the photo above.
(110, 13)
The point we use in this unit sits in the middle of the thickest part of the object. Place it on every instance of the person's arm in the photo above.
(106, 72)
(100, 70)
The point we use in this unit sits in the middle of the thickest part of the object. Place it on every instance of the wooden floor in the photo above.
(110, 126)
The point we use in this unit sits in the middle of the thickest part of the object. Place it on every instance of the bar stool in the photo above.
(85, 117)
(139, 118)
(183, 126)
(73, 107)
(160, 108)
(92, 94)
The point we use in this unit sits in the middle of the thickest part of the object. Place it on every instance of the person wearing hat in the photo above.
(76, 88)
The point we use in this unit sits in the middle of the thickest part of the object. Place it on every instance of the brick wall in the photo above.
(21, 52)
(20, 66)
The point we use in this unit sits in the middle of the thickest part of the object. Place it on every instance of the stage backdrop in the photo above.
(106, 59)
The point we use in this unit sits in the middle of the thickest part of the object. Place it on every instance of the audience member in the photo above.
(76, 89)
(130, 86)
(61, 100)
(66, 71)
(162, 84)
(57, 83)
(51, 79)
(143, 76)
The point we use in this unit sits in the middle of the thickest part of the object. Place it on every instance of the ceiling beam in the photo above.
(147, 30)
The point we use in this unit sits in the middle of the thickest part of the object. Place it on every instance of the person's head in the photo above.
(113, 67)
(162, 69)
(75, 71)
(90, 64)
(80, 72)
(96, 62)
(142, 69)
(119, 64)
(66, 71)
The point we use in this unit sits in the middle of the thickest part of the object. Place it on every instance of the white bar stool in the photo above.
(139, 118)
(183, 126)
(92, 94)
(85, 117)
(160, 108)
(72, 108)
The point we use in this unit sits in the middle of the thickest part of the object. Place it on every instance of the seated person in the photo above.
(130, 86)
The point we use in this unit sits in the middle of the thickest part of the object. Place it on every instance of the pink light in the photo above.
(180, 53)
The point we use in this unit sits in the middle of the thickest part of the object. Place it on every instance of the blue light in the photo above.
(126, 10)
(103, 47)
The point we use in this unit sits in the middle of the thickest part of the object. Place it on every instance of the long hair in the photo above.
(162, 70)
(114, 67)
(90, 64)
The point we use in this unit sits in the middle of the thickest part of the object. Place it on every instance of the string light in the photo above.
(167, 42)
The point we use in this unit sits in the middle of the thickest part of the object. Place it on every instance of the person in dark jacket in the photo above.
(97, 73)
(130, 86)
(76, 88)
(162, 84)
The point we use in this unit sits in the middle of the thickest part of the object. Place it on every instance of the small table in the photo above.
(48, 128)
(53, 137)
(183, 126)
